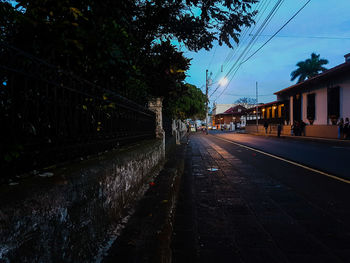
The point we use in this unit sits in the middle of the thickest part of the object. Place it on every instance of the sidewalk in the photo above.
(147, 235)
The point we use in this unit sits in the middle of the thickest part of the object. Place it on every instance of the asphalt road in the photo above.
(255, 208)
(325, 156)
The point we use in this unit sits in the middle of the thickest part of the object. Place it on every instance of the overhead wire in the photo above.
(285, 24)
(236, 65)
(242, 39)
(254, 40)
(256, 35)
(317, 37)
(243, 36)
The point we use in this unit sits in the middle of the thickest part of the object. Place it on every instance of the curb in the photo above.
(148, 233)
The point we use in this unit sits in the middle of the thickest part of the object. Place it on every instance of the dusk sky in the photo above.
(323, 27)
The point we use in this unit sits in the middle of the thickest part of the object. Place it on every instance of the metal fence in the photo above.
(50, 116)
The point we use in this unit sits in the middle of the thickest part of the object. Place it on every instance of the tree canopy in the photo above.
(246, 102)
(309, 68)
(190, 105)
(124, 45)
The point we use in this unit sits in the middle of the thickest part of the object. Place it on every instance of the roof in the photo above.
(328, 73)
(234, 111)
(269, 103)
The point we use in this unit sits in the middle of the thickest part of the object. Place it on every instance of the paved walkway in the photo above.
(239, 214)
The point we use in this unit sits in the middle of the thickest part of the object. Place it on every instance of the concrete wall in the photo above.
(73, 215)
(272, 129)
(321, 131)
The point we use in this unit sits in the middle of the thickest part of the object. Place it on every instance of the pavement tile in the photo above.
(243, 215)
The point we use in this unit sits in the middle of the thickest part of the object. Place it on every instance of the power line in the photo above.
(237, 65)
(278, 31)
(260, 30)
(317, 37)
(233, 52)
(268, 41)
(243, 36)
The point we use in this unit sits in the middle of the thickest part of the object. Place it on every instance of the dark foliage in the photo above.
(309, 68)
(124, 46)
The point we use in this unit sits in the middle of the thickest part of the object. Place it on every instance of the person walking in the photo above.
(302, 128)
(346, 128)
(279, 129)
(266, 125)
(341, 128)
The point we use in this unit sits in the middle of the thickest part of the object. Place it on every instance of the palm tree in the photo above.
(309, 68)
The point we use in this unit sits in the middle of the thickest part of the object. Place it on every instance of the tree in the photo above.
(246, 102)
(196, 23)
(309, 68)
(123, 45)
(190, 104)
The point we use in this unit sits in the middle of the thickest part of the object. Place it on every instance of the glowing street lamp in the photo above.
(223, 81)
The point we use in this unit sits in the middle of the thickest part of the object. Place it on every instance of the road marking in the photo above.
(340, 147)
(288, 161)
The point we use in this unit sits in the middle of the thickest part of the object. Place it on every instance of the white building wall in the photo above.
(304, 107)
(321, 107)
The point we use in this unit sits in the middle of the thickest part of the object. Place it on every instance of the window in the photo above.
(333, 103)
(310, 112)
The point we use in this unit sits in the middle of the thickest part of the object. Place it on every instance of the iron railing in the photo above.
(49, 116)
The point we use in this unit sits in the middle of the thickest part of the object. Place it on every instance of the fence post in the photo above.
(156, 105)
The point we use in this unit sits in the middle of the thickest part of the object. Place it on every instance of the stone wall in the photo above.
(73, 213)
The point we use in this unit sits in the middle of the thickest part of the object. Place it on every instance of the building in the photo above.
(221, 108)
(319, 102)
(274, 112)
(233, 115)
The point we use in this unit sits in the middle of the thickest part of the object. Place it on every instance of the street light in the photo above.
(223, 81)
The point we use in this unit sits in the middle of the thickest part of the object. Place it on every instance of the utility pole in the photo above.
(207, 101)
(257, 121)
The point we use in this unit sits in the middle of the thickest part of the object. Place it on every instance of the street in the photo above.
(240, 204)
(332, 158)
